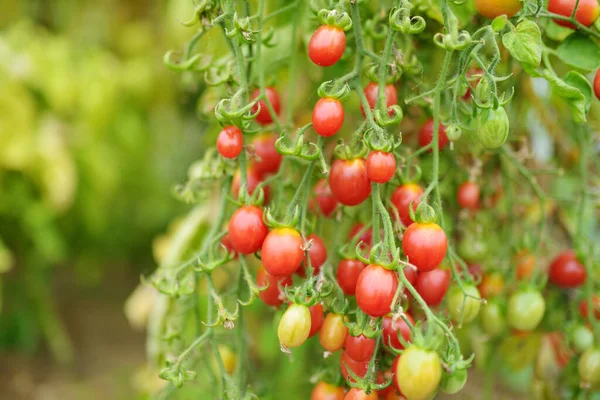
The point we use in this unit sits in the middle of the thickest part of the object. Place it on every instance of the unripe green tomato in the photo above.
(589, 368)
(526, 309)
(418, 373)
(454, 382)
(294, 326)
(483, 93)
(463, 307)
(493, 320)
(582, 338)
(492, 127)
(453, 132)
(473, 248)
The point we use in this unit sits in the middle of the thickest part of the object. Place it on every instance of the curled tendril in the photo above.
(176, 374)
(228, 111)
(378, 143)
(451, 42)
(339, 19)
(268, 38)
(174, 282)
(400, 20)
(345, 152)
(198, 62)
(306, 151)
(393, 73)
(376, 29)
(334, 90)
(383, 117)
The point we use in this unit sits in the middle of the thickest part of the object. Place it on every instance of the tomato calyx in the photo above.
(401, 20)
(306, 151)
(335, 18)
(290, 220)
(384, 144)
(424, 213)
(364, 325)
(244, 198)
(345, 152)
(233, 111)
(380, 254)
(334, 89)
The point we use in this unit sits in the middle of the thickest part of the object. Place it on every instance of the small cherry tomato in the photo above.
(418, 373)
(425, 245)
(230, 142)
(326, 391)
(597, 84)
(433, 285)
(587, 11)
(371, 93)
(526, 309)
(359, 394)
(589, 368)
(316, 319)
(268, 159)
(463, 306)
(566, 271)
(375, 290)
(426, 135)
(325, 199)
(328, 117)
(583, 307)
(253, 179)
(525, 265)
(495, 8)
(359, 368)
(349, 182)
(264, 116)
(326, 46)
(582, 338)
(491, 285)
(317, 254)
(453, 383)
(281, 252)
(381, 166)
(392, 329)
(402, 197)
(493, 320)
(294, 326)
(347, 275)
(468, 196)
(359, 348)
(492, 127)
(247, 230)
(333, 332)
(272, 295)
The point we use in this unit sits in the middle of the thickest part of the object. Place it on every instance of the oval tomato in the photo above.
(491, 285)
(316, 319)
(281, 252)
(247, 231)
(468, 196)
(426, 134)
(359, 394)
(359, 348)
(525, 310)
(525, 265)
(425, 245)
(402, 197)
(375, 290)
(230, 142)
(587, 11)
(294, 326)
(372, 91)
(418, 373)
(589, 368)
(493, 320)
(272, 295)
(495, 8)
(359, 368)
(349, 182)
(464, 306)
(264, 116)
(328, 117)
(582, 338)
(333, 332)
(453, 382)
(433, 285)
(325, 199)
(267, 159)
(566, 271)
(347, 275)
(392, 329)
(317, 254)
(326, 45)
(381, 166)
(326, 391)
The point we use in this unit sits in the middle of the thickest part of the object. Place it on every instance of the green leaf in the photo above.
(575, 99)
(525, 43)
(499, 23)
(575, 79)
(580, 52)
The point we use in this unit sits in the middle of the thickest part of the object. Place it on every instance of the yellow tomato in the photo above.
(496, 8)
(294, 326)
(418, 373)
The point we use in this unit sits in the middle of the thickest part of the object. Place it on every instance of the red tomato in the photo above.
(326, 391)
(468, 196)
(272, 295)
(566, 271)
(281, 252)
(226, 242)
(597, 84)
(381, 166)
(326, 46)
(317, 253)
(372, 91)
(230, 142)
(269, 159)
(264, 116)
(325, 199)
(316, 319)
(328, 117)
(425, 245)
(586, 13)
(583, 307)
(359, 394)
(347, 275)
(247, 230)
(375, 290)
(410, 273)
(333, 332)
(433, 285)
(359, 368)
(525, 265)
(392, 328)
(426, 134)
(359, 348)
(252, 181)
(366, 237)
(401, 199)
(349, 182)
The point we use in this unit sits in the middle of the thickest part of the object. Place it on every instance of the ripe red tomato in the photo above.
(347, 275)
(317, 254)
(372, 91)
(433, 285)
(381, 166)
(491, 285)
(269, 159)
(230, 142)
(426, 134)
(496, 8)
(326, 391)
(375, 290)
(583, 307)
(410, 273)
(392, 328)
(401, 199)
(359, 368)
(366, 237)
(325, 199)
(359, 348)
(326, 46)
(468, 195)
(294, 326)
(586, 13)
(247, 230)
(597, 84)
(253, 179)
(425, 245)
(328, 117)
(525, 265)
(272, 295)
(566, 271)
(226, 242)
(281, 252)
(333, 332)
(349, 182)
(264, 116)
(359, 394)
(316, 319)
